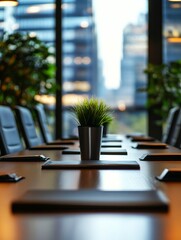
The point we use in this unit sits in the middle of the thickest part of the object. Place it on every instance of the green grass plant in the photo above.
(92, 113)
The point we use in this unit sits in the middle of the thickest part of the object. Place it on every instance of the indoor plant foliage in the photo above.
(164, 88)
(25, 69)
(92, 113)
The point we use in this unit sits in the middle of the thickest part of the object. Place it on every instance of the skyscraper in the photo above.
(133, 63)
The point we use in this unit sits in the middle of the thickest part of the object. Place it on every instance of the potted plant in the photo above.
(90, 115)
(26, 69)
(164, 87)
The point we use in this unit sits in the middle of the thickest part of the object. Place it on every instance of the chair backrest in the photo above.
(43, 123)
(10, 140)
(176, 138)
(27, 126)
(170, 125)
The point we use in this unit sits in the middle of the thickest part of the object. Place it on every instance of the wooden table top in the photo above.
(91, 225)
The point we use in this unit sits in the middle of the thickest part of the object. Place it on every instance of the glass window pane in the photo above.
(104, 54)
(36, 17)
(171, 30)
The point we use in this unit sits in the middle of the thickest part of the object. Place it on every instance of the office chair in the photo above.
(10, 141)
(28, 128)
(176, 137)
(170, 125)
(43, 125)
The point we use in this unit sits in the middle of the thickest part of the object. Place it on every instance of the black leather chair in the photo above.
(43, 123)
(44, 129)
(176, 138)
(27, 125)
(10, 140)
(28, 128)
(170, 125)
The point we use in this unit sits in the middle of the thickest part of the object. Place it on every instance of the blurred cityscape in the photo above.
(82, 68)
(82, 72)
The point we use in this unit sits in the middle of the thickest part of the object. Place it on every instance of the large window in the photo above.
(104, 54)
(104, 50)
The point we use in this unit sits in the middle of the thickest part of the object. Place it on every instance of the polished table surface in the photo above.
(91, 225)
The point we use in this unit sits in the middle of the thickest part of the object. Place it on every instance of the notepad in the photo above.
(170, 175)
(104, 151)
(60, 142)
(166, 156)
(90, 164)
(111, 140)
(10, 178)
(36, 201)
(135, 134)
(48, 147)
(148, 145)
(111, 144)
(142, 138)
(24, 158)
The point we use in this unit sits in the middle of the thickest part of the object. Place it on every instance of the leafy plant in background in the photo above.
(25, 69)
(92, 113)
(164, 88)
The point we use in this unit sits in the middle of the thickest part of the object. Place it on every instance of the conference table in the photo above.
(91, 225)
